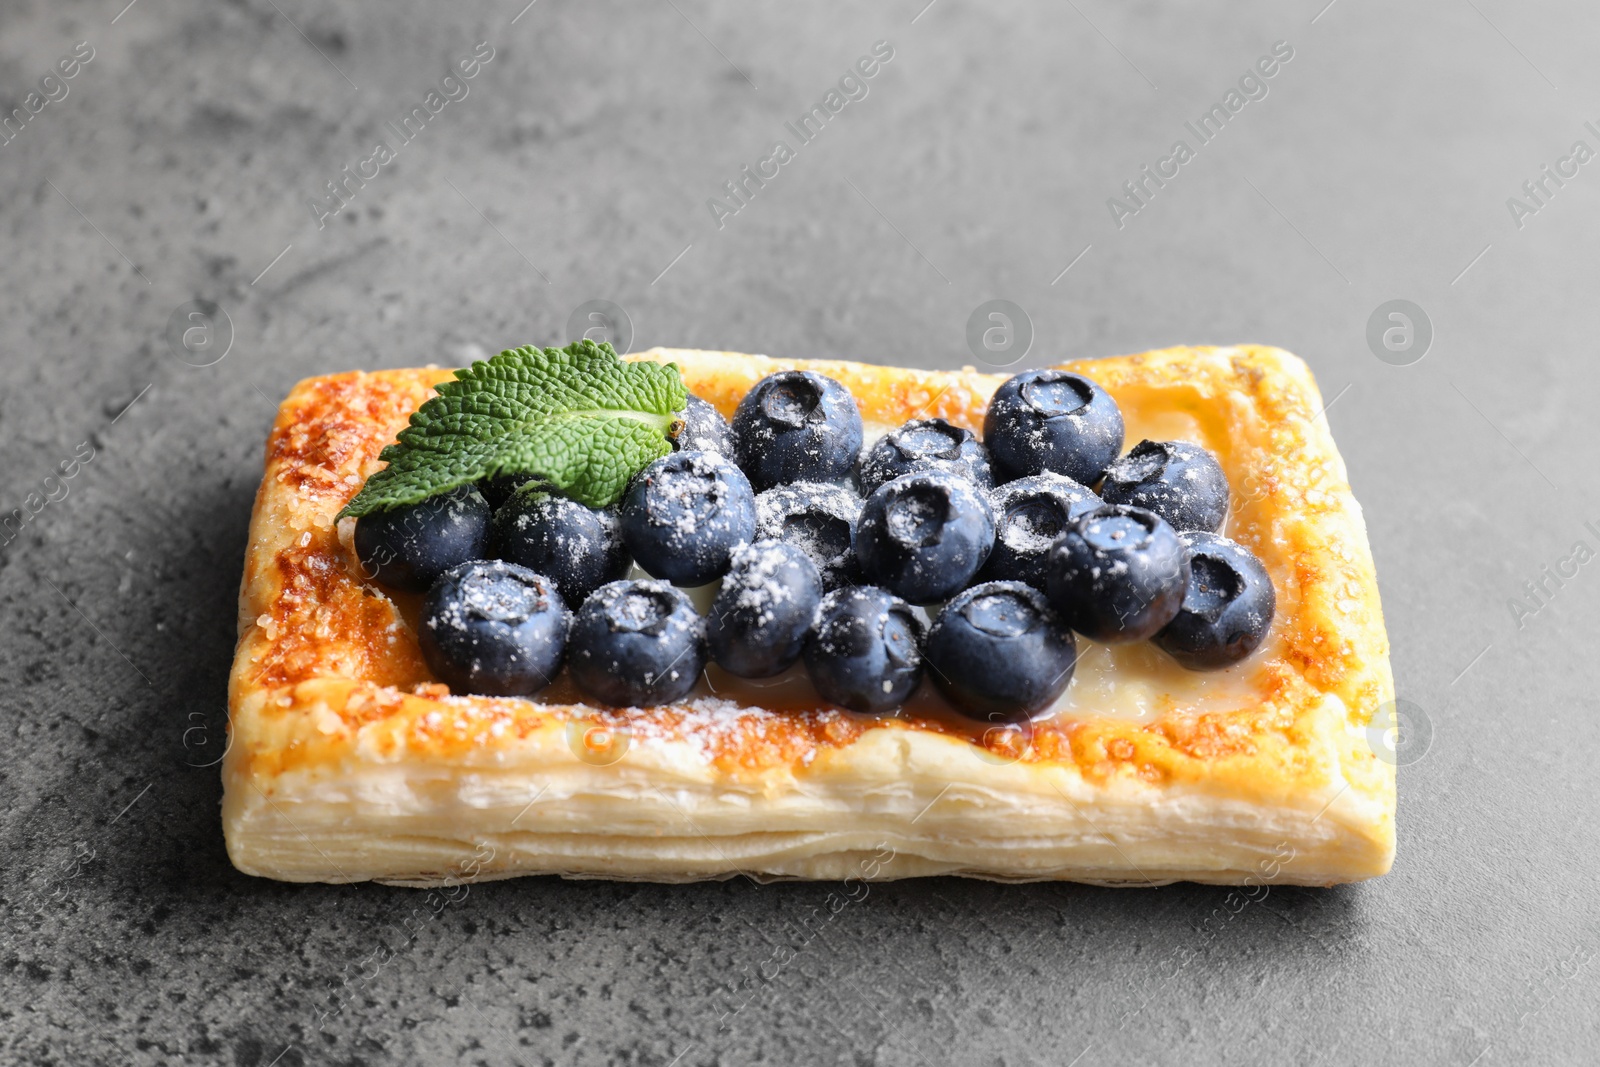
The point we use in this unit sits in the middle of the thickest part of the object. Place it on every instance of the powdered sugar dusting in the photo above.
(752, 586)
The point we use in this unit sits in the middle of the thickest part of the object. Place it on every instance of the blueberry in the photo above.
(1181, 482)
(579, 548)
(1117, 574)
(1227, 608)
(766, 606)
(637, 644)
(797, 426)
(685, 514)
(925, 444)
(1000, 653)
(1050, 420)
(410, 546)
(498, 490)
(493, 628)
(865, 653)
(923, 536)
(704, 430)
(1029, 514)
(820, 520)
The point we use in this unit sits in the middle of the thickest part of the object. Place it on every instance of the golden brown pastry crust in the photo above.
(349, 761)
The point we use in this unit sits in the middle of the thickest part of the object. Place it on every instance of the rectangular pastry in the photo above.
(349, 760)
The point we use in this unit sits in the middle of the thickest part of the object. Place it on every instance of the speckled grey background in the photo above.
(180, 165)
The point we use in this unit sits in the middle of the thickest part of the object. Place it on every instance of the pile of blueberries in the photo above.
(822, 549)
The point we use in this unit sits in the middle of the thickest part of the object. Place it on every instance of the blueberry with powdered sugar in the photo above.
(704, 430)
(1181, 482)
(921, 445)
(923, 536)
(820, 520)
(493, 628)
(1118, 574)
(1052, 420)
(498, 489)
(1227, 607)
(684, 515)
(1029, 514)
(866, 651)
(580, 548)
(408, 547)
(797, 426)
(767, 604)
(637, 643)
(1000, 653)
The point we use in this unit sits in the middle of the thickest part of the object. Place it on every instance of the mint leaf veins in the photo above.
(578, 418)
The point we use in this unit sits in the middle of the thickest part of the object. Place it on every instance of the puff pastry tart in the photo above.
(350, 760)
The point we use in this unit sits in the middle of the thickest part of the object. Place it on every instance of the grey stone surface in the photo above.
(181, 163)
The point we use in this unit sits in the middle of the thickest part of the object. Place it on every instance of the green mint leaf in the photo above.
(578, 418)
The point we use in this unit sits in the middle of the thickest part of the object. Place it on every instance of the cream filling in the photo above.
(1135, 683)
(871, 431)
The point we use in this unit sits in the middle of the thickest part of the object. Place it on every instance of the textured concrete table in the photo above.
(188, 159)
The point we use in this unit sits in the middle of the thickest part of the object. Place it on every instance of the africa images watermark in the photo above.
(52, 90)
(452, 89)
(1252, 85)
(55, 489)
(1539, 191)
(1538, 592)
(807, 128)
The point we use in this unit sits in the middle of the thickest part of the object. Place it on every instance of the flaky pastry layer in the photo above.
(349, 761)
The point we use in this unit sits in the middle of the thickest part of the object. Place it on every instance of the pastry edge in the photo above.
(948, 813)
